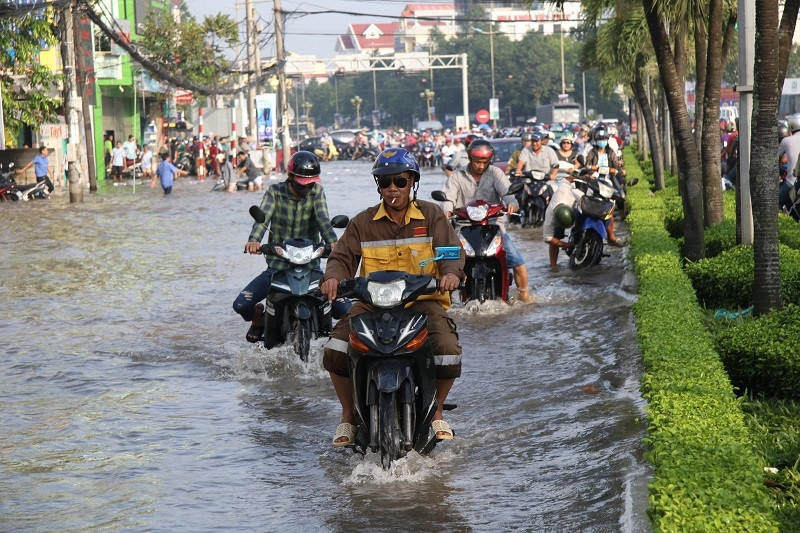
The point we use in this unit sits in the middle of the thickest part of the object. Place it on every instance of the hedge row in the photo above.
(726, 281)
(706, 474)
(763, 355)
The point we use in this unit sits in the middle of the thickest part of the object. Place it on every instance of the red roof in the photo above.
(385, 38)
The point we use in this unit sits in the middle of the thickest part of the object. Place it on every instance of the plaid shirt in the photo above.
(293, 218)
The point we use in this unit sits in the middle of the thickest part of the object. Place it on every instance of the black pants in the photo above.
(47, 181)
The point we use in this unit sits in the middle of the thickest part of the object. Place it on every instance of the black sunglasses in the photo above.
(399, 181)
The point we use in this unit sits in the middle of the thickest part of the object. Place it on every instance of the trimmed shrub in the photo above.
(762, 355)
(706, 476)
(726, 281)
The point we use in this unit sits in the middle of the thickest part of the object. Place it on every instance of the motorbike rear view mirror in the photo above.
(516, 187)
(339, 221)
(633, 182)
(257, 214)
(439, 196)
(443, 253)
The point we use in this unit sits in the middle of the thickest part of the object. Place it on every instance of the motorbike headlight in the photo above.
(492, 248)
(467, 247)
(386, 294)
(606, 190)
(299, 255)
(477, 212)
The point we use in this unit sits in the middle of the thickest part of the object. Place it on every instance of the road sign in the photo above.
(482, 116)
(494, 108)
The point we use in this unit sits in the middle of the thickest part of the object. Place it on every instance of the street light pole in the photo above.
(427, 95)
(356, 102)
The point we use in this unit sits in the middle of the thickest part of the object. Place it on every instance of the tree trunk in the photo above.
(763, 164)
(785, 34)
(711, 145)
(700, 57)
(688, 156)
(640, 93)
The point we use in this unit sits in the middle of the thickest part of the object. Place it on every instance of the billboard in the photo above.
(265, 116)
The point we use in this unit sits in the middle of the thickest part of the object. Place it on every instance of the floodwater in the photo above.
(131, 401)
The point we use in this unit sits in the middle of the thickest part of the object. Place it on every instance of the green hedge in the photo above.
(763, 355)
(706, 474)
(726, 281)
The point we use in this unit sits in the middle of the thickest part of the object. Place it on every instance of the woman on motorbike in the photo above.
(602, 156)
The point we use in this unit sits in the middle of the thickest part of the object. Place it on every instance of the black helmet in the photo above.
(395, 161)
(480, 148)
(304, 165)
(564, 215)
(537, 136)
(600, 133)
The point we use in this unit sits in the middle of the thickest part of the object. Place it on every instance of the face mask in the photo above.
(602, 144)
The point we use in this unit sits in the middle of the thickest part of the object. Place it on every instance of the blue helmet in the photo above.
(395, 161)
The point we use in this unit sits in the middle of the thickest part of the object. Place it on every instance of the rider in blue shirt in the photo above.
(41, 167)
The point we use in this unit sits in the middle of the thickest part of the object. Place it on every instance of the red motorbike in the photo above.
(486, 268)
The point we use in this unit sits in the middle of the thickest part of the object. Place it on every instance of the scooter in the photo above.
(425, 156)
(488, 276)
(295, 310)
(595, 210)
(392, 364)
(7, 183)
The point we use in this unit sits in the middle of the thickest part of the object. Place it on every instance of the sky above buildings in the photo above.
(306, 33)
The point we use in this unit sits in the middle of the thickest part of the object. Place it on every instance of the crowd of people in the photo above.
(395, 233)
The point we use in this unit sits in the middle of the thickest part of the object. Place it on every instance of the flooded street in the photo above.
(131, 400)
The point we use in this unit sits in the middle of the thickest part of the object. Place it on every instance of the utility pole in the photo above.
(72, 104)
(86, 87)
(280, 54)
(252, 39)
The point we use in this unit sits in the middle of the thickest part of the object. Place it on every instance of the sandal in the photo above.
(256, 331)
(440, 426)
(618, 243)
(344, 430)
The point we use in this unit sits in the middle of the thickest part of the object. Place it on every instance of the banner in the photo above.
(265, 112)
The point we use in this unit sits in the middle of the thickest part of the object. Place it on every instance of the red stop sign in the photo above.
(482, 116)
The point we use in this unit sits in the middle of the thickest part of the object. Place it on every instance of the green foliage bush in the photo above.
(788, 231)
(706, 476)
(726, 281)
(763, 356)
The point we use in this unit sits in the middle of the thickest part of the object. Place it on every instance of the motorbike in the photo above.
(488, 276)
(533, 198)
(392, 365)
(591, 225)
(425, 157)
(295, 310)
(10, 190)
(7, 183)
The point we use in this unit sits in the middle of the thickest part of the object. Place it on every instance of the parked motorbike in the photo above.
(488, 276)
(295, 310)
(10, 190)
(7, 183)
(591, 225)
(392, 365)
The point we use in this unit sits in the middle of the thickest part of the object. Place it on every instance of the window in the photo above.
(101, 41)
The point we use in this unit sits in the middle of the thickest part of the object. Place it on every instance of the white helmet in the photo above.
(794, 122)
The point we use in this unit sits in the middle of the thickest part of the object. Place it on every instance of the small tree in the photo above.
(27, 86)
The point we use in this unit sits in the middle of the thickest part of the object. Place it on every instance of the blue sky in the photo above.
(308, 34)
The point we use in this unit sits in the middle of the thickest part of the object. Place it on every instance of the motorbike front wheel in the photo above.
(301, 339)
(587, 251)
(389, 429)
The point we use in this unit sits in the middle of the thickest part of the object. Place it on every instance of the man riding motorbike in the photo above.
(295, 208)
(537, 157)
(483, 181)
(395, 235)
(525, 139)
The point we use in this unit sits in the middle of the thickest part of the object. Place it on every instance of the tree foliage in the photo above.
(192, 49)
(27, 86)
